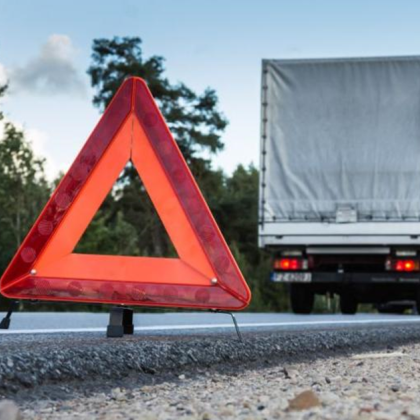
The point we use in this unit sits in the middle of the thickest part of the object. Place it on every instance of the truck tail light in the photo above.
(290, 264)
(402, 265)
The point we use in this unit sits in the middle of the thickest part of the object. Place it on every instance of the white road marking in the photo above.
(215, 326)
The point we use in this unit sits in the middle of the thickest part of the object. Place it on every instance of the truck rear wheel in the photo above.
(348, 304)
(301, 298)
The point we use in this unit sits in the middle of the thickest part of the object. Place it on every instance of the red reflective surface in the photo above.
(132, 293)
(229, 291)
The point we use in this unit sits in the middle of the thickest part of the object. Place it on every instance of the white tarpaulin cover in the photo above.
(340, 135)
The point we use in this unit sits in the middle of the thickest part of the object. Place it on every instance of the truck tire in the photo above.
(301, 299)
(348, 304)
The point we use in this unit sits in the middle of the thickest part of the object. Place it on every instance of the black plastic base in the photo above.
(5, 322)
(120, 322)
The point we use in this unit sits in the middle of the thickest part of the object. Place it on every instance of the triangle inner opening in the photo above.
(127, 223)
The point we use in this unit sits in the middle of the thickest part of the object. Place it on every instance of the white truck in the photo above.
(339, 203)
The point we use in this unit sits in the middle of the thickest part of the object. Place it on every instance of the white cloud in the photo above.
(51, 71)
(39, 140)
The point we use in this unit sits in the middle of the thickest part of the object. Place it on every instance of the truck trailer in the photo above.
(339, 195)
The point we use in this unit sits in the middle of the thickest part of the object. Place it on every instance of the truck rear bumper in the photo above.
(334, 277)
(383, 277)
(366, 287)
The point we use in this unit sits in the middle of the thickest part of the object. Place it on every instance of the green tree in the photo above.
(237, 214)
(23, 189)
(109, 237)
(237, 211)
(193, 119)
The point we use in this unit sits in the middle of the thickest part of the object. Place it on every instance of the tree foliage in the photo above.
(109, 234)
(193, 118)
(23, 189)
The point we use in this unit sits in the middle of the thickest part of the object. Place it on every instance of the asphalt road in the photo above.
(197, 322)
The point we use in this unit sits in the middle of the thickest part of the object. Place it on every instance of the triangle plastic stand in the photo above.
(204, 276)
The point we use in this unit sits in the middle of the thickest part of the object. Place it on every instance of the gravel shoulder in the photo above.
(213, 376)
(33, 362)
(371, 385)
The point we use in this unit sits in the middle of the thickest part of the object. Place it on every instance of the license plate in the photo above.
(291, 277)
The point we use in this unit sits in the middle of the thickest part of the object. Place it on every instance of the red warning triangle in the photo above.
(204, 276)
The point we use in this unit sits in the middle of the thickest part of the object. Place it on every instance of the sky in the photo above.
(45, 49)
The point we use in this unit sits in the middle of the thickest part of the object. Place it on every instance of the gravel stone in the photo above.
(304, 401)
(9, 410)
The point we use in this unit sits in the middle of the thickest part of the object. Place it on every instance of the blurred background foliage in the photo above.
(127, 223)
